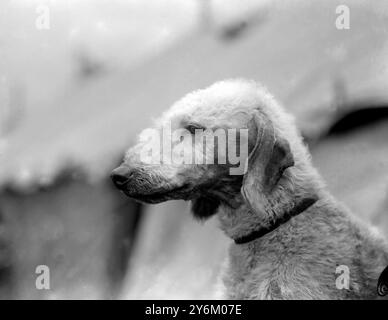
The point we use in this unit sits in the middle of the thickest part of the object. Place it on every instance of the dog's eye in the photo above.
(192, 127)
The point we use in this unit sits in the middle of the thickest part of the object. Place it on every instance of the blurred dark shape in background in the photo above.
(87, 66)
(82, 231)
(6, 284)
(236, 29)
(79, 103)
(361, 116)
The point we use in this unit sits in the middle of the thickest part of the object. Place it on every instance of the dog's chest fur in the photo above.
(299, 260)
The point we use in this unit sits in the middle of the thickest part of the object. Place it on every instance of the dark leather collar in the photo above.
(296, 210)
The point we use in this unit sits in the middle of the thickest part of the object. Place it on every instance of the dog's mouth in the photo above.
(160, 195)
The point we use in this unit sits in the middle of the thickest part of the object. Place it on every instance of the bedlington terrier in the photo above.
(291, 238)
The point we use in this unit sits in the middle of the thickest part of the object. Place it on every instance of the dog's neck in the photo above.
(299, 208)
(243, 225)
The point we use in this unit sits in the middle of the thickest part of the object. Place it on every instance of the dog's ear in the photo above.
(203, 208)
(267, 161)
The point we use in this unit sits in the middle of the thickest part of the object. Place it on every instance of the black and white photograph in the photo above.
(207, 151)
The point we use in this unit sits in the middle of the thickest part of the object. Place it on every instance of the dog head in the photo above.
(245, 124)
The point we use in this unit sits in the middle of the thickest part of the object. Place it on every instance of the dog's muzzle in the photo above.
(139, 186)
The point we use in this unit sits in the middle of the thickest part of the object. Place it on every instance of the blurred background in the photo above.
(79, 80)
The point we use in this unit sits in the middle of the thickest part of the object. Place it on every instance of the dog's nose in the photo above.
(120, 176)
